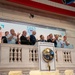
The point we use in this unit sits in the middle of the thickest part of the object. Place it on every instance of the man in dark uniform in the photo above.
(23, 38)
(52, 40)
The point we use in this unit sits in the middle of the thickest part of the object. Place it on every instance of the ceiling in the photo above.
(49, 8)
(55, 6)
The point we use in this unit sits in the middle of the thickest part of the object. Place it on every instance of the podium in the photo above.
(43, 66)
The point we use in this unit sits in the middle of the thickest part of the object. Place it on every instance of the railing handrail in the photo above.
(33, 46)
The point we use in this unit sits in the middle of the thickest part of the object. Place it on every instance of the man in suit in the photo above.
(33, 38)
(12, 37)
(4, 38)
(52, 40)
(42, 39)
(23, 38)
(58, 41)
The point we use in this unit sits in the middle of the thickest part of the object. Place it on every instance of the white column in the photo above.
(60, 56)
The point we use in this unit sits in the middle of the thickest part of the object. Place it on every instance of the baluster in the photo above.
(32, 55)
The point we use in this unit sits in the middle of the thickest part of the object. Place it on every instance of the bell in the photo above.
(48, 55)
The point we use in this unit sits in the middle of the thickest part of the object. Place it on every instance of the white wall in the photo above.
(24, 17)
(20, 27)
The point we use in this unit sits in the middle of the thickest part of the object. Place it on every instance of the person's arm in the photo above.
(2, 39)
(67, 43)
(53, 40)
(9, 37)
(28, 38)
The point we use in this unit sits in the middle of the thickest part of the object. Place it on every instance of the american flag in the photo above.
(55, 6)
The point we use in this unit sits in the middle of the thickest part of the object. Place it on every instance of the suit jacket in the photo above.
(24, 40)
(49, 40)
(41, 40)
(4, 39)
(32, 39)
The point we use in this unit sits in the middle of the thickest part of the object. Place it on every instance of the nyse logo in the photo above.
(30, 29)
(1, 26)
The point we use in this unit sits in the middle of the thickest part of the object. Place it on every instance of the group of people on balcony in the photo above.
(13, 38)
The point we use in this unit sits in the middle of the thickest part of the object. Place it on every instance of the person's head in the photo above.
(33, 32)
(41, 37)
(6, 33)
(12, 31)
(24, 33)
(56, 37)
(64, 38)
(51, 36)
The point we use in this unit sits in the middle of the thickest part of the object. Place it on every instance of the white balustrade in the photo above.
(25, 58)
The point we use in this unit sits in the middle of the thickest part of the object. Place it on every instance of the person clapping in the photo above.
(50, 39)
(12, 37)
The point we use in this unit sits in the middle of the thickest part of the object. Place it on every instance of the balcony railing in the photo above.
(25, 57)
